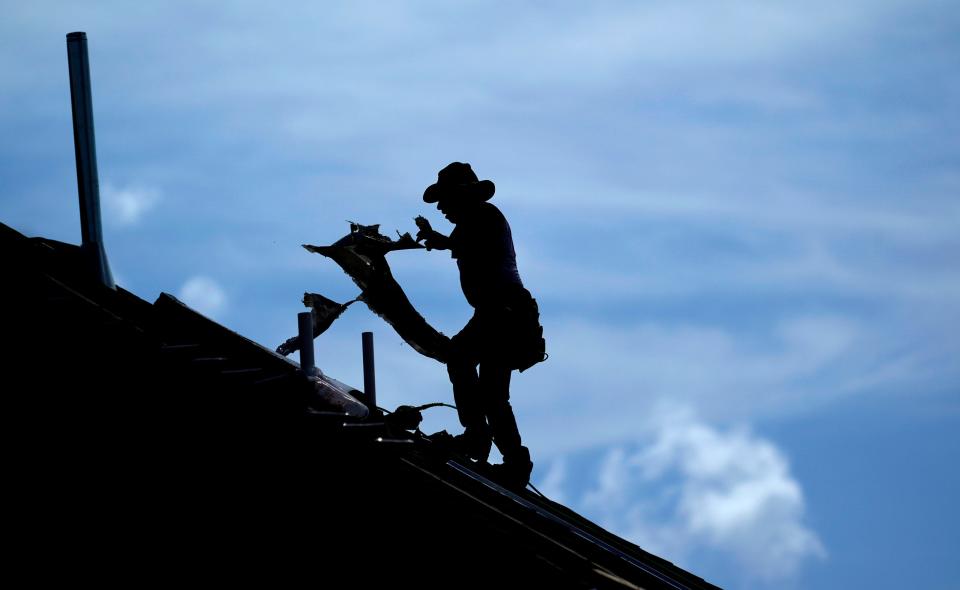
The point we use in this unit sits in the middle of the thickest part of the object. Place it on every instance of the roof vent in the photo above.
(86, 150)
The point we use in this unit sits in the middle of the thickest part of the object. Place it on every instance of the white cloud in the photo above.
(737, 494)
(693, 488)
(126, 206)
(204, 295)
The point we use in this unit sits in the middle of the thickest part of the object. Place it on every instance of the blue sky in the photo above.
(740, 220)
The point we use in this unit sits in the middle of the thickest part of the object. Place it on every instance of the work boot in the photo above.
(473, 444)
(514, 472)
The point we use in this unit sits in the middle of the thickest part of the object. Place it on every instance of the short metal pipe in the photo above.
(369, 372)
(305, 332)
(85, 147)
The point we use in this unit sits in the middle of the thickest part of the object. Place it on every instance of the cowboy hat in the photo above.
(458, 178)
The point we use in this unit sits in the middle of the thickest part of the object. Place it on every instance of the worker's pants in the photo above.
(483, 398)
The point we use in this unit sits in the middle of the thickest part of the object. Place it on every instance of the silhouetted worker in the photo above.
(504, 332)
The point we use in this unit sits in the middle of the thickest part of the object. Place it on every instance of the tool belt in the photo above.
(526, 346)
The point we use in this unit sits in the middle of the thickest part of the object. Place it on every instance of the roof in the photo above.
(150, 442)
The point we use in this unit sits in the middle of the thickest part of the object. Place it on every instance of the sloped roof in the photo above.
(151, 443)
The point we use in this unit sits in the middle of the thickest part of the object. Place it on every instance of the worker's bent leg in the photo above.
(515, 470)
(494, 384)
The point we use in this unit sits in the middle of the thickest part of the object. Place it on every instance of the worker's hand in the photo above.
(430, 238)
(422, 224)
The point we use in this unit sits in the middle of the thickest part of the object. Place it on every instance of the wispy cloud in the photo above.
(551, 485)
(126, 206)
(205, 295)
(604, 379)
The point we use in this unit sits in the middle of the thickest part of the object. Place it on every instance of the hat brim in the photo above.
(482, 191)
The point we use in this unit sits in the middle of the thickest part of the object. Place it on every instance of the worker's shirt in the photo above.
(483, 247)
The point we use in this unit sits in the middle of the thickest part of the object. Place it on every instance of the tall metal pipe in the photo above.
(305, 331)
(369, 372)
(85, 146)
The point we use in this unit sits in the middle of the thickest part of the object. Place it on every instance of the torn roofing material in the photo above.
(361, 254)
(324, 311)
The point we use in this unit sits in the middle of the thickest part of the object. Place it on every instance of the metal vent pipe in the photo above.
(85, 146)
(305, 333)
(369, 372)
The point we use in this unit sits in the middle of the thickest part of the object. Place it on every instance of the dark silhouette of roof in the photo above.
(151, 443)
